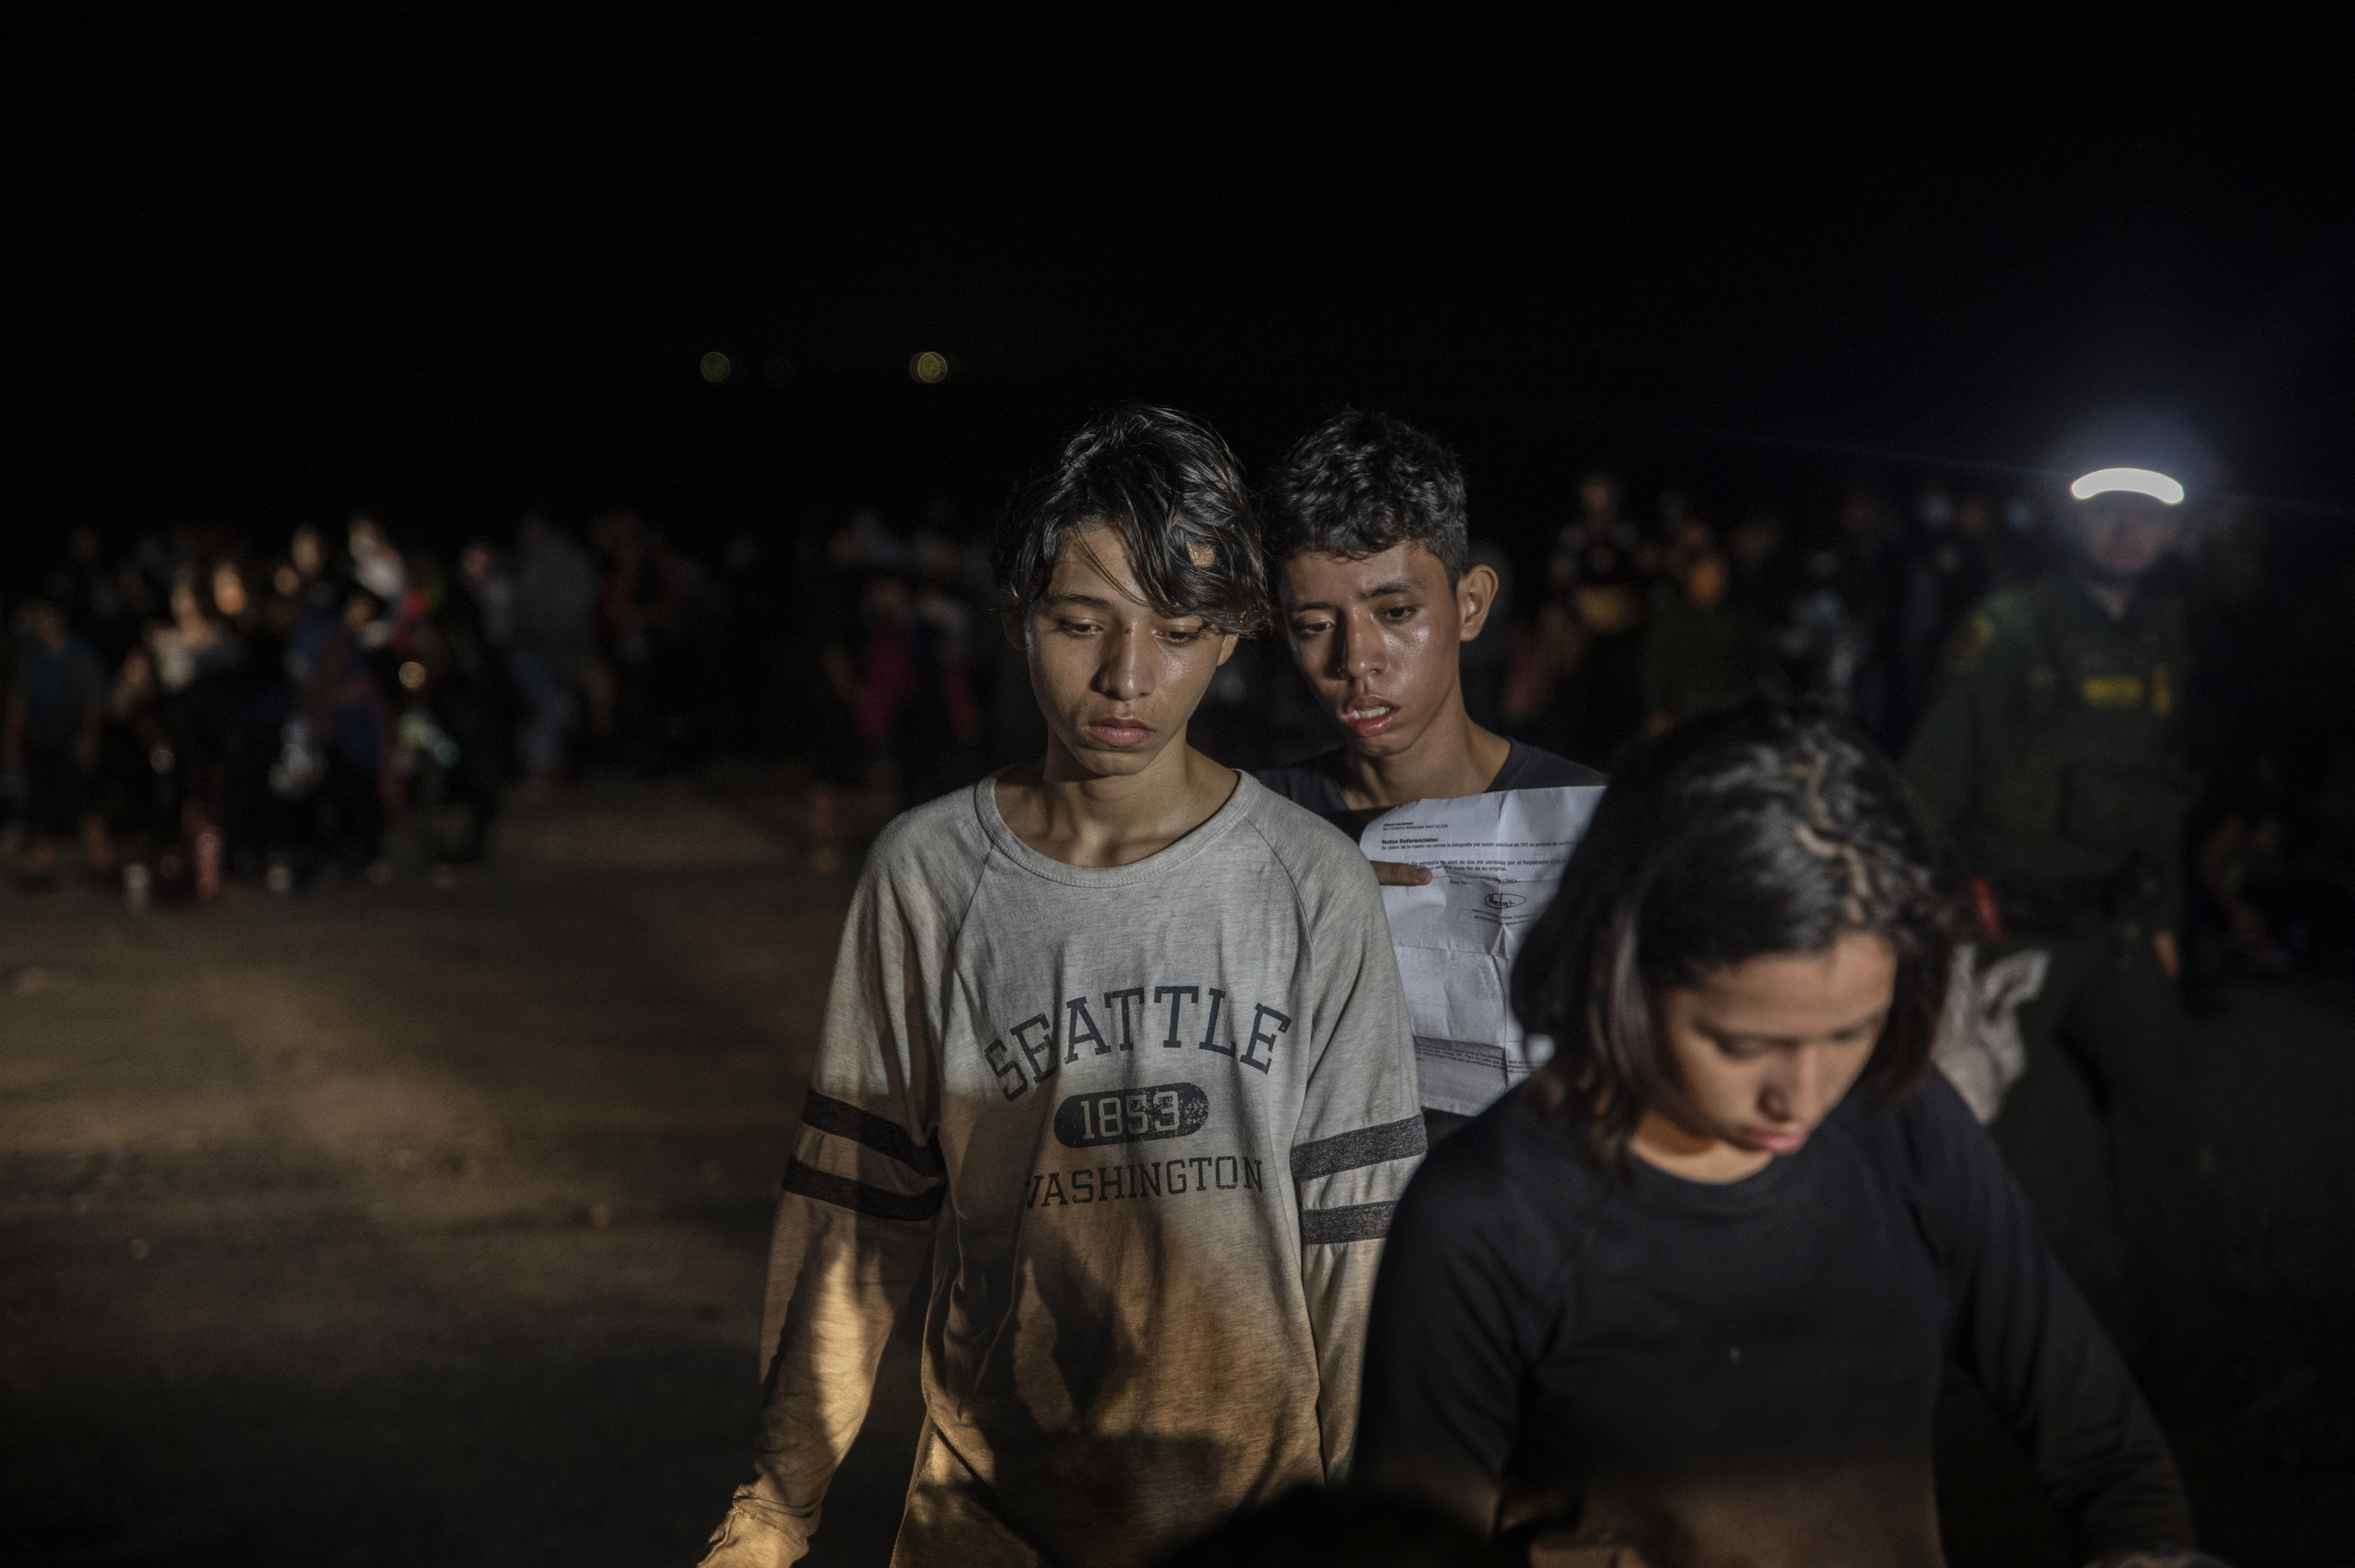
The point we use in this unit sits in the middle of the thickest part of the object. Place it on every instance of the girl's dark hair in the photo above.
(1765, 828)
(1167, 485)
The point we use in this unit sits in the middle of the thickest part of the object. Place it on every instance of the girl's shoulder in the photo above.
(1510, 1187)
(1925, 1143)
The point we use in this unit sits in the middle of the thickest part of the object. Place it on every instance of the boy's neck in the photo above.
(1452, 757)
(1082, 818)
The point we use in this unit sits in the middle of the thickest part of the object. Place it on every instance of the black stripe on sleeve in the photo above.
(844, 1193)
(845, 1120)
(1358, 1223)
(1400, 1139)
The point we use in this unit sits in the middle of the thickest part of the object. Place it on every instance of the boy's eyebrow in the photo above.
(1097, 602)
(1398, 585)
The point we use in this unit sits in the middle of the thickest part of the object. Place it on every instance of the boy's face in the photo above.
(1377, 639)
(1116, 679)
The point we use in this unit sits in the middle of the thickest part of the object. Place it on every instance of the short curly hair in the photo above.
(1764, 828)
(1360, 484)
(1167, 484)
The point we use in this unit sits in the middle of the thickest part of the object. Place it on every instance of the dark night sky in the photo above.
(265, 274)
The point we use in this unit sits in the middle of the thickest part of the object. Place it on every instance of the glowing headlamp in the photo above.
(2136, 481)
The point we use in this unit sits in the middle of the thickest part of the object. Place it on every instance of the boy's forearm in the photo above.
(838, 1280)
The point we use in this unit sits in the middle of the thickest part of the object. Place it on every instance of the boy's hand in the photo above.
(1395, 874)
(756, 1534)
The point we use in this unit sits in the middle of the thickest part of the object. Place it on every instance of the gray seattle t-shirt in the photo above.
(1148, 1123)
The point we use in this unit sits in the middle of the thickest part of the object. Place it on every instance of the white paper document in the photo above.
(1495, 862)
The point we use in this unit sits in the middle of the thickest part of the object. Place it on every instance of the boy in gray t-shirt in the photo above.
(1115, 1041)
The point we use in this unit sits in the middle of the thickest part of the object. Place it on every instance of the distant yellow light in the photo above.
(2136, 481)
(716, 367)
(412, 675)
(929, 368)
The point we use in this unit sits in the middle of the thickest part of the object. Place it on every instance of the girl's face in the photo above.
(1765, 1049)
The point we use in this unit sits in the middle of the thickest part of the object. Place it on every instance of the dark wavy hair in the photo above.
(1169, 487)
(1360, 484)
(1764, 828)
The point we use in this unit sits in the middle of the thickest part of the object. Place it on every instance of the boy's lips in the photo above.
(1367, 717)
(1118, 731)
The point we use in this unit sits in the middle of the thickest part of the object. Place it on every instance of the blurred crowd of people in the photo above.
(201, 707)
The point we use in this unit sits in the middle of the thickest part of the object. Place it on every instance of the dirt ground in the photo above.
(426, 1224)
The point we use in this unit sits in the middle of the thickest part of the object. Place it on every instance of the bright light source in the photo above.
(412, 676)
(716, 367)
(2138, 481)
(929, 368)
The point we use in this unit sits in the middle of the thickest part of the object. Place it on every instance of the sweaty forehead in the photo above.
(1091, 561)
(1092, 568)
(1315, 577)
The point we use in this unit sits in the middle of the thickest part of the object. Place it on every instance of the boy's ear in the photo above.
(1011, 621)
(1475, 595)
(1227, 641)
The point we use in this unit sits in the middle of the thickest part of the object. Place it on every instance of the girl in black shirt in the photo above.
(1687, 1296)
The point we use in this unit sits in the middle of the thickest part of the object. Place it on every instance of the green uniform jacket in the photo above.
(2053, 750)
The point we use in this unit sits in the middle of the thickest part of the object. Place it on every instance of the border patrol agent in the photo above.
(2053, 755)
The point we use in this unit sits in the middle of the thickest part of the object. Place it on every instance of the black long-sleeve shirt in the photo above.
(1745, 1372)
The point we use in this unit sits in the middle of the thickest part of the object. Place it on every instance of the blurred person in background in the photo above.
(830, 633)
(194, 643)
(1703, 651)
(696, 686)
(1754, 559)
(2054, 756)
(1597, 706)
(49, 739)
(1599, 520)
(1951, 568)
(199, 664)
(306, 555)
(252, 705)
(453, 721)
(376, 566)
(911, 702)
(483, 578)
(92, 596)
(741, 693)
(136, 785)
(346, 735)
(637, 601)
(1870, 582)
(554, 624)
